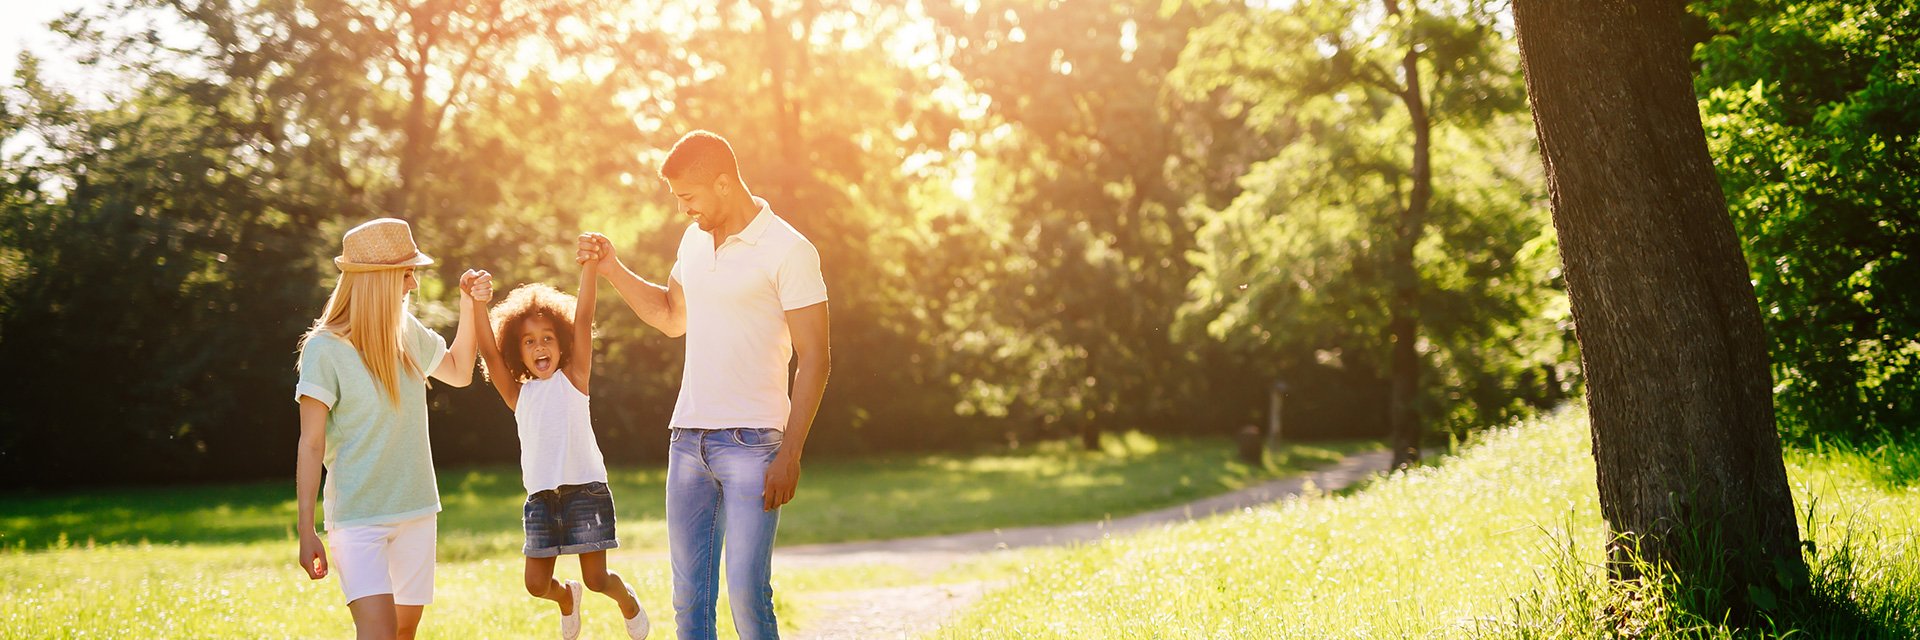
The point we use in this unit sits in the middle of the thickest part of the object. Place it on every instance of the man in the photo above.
(747, 292)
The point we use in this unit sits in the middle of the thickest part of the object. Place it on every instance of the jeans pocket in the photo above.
(758, 438)
(598, 489)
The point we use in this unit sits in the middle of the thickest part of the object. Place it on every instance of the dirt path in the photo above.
(886, 614)
(907, 612)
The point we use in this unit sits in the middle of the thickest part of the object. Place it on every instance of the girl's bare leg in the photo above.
(540, 584)
(594, 574)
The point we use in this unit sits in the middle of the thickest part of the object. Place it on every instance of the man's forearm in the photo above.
(809, 386)
(648, 300)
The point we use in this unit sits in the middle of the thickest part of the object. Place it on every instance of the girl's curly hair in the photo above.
(510, 320)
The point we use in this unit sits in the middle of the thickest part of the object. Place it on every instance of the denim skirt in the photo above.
(572, 519)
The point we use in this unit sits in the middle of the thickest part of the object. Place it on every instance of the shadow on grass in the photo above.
(866, 499)
(477, 503)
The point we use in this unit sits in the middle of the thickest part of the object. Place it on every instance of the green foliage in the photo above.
(1078, 142)
(1812, 109)
(226, 169)
(1025, 226)
(133, 235)
(1295, 273)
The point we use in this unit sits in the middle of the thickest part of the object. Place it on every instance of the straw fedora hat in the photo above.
(386, 243)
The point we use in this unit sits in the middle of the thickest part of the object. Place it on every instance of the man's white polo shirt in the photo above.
(738, 345)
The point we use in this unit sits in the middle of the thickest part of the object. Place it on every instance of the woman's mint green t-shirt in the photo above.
(379, 463)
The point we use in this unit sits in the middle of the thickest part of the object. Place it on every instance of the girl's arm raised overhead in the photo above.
(580, 362)
(503, 381)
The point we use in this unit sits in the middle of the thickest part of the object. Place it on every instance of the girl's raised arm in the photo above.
(503, 381)
(580, 362)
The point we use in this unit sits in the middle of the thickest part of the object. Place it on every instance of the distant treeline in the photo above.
(1037, 220)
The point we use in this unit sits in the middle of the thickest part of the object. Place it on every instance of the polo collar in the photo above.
(761, 221)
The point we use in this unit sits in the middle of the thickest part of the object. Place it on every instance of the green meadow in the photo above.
(218, 561)
(1503, 541)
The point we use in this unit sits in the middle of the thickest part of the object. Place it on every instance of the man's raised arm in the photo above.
(663, 307)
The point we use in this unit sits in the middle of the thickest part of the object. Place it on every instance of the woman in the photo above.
(363, 414)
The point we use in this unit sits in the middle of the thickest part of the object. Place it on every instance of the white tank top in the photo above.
(556, 435)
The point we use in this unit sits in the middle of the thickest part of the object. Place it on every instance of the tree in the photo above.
(247, 135)
(1689, 465)
(1080, 140)
(1396, 239)
(134, 238)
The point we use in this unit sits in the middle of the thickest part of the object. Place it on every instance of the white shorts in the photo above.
(394, 558)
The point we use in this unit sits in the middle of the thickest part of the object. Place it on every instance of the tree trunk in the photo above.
(1090, 416)
(786, 111)
(1679, 393)
(1403, 413)
(413, 145)
(414, 132)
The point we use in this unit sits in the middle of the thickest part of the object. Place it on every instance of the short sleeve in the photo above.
(798, 279)
(426, 347)
(692, 236)
(319, 374)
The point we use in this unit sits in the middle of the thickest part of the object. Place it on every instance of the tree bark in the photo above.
(425, 22)
(1679, 390)
(780, 76)
(1403, 324)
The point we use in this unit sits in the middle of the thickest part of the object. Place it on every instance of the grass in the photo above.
(1501, 541)
(217, 562)
(1858, 507)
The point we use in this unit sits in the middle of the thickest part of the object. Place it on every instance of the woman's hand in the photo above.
(477, 284)
(313, 555)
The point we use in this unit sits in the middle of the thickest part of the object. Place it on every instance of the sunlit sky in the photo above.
(26, 27)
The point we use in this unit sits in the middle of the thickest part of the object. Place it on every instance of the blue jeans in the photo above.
(715, 478)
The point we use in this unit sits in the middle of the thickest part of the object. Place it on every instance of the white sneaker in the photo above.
(637, 626)
(570, 625)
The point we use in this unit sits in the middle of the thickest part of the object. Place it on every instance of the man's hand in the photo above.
(783, 476)
(594, 247)
(477, 284)
(313, 555)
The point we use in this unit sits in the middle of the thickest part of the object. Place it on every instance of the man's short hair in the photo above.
(700, 155)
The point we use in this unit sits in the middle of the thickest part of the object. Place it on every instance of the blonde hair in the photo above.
(366, 309)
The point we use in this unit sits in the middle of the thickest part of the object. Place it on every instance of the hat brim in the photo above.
(419, 259)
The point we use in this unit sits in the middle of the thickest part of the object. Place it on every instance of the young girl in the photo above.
(541, 363)
(363, 415)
